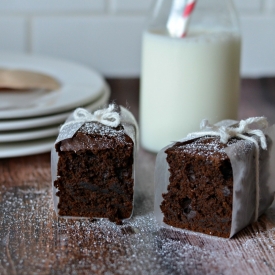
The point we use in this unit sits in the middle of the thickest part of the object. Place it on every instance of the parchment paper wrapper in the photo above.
(244, 179)
(127, 120)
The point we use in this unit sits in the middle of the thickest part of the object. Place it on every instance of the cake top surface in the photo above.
(208, 147)
(96, 128)
(96, 136)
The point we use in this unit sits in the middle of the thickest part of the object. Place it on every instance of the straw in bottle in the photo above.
(179, 17)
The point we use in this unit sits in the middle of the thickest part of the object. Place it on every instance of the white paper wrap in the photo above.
(244, 179)
(127, 120)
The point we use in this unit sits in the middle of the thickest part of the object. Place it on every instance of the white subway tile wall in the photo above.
(13, 33)
(106, 34)
(110, 44)
(249, 5)
(269, 6)
(258, 50)
(28, 7)
(132, 5)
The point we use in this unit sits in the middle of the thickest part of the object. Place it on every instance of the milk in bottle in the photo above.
(185, 80)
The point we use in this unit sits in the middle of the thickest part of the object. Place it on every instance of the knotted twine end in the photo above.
(225, 132)
(107, 116)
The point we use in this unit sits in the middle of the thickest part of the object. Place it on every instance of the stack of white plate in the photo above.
(32, 127)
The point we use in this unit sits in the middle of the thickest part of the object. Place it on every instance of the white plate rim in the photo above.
(33, 122)
(72, 76)
(26, 148)
(49, 131)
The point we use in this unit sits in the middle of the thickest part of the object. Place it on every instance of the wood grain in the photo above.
(34, 241)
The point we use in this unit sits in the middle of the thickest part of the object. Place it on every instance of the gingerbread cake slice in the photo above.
(199, 196)
(95, 173)
(219, 180)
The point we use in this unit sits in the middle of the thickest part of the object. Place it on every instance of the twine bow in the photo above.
(105, 116)
(242, 131)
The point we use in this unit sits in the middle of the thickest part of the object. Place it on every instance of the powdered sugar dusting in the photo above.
(104, 136)
(34, 241)
(207, 147)
(101, 129)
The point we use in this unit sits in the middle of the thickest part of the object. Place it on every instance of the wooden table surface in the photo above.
(34, 241)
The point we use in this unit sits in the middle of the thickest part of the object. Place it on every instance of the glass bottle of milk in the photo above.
(186, 79)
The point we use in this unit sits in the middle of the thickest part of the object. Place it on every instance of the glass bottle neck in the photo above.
(208, 15)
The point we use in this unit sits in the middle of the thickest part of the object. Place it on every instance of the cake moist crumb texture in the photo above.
(95, 173)
(200, 191)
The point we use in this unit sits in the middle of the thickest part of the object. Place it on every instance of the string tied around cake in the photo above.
(107, 116)
(244, 132)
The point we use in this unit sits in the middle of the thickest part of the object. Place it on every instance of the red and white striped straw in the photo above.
(187, 14)
(179, 17)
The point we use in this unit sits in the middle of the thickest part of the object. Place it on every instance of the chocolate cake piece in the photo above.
(95, 173)
(200, 190)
